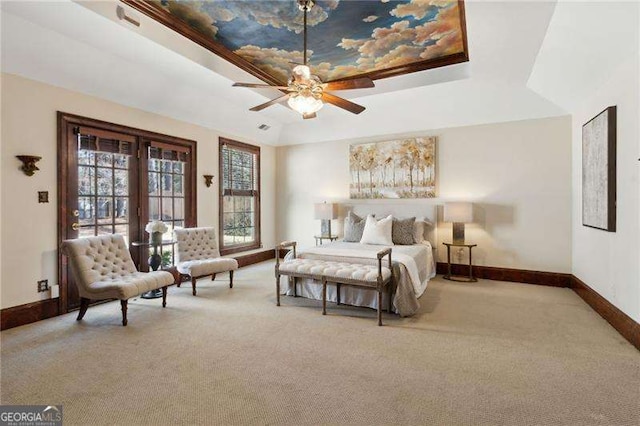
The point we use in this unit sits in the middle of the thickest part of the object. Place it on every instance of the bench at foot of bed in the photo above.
(340, 273)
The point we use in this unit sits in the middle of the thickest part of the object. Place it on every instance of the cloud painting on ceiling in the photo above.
(378, 38)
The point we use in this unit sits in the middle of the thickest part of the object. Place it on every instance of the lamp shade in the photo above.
(326, 211)
(461, 212)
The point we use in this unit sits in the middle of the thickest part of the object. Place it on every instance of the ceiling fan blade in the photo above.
(271, 102)
(260, 86)
(342, 103)
(356, 83)
(308, 116)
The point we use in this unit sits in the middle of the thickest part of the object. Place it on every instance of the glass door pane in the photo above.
(167, 194)
(103, 197)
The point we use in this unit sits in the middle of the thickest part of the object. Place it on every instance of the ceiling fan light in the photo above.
(305, 104)
(303, 71)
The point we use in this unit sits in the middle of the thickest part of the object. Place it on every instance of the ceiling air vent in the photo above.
(264, 127)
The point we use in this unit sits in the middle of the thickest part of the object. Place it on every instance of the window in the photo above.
(239, 196)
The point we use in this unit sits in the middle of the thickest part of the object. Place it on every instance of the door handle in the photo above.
(75, 226)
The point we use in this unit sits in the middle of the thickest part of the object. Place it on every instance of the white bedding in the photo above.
(414, 266)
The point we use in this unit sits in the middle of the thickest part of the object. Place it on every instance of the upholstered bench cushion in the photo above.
(127, 286)
(203, 267)
(320, 268)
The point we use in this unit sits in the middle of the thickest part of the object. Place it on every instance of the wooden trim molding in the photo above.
(28, 313)
(158, 13)
(627, 327)
(49, 308)
(553, 279)
(250, 259)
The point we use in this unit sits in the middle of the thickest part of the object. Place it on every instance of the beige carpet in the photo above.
(487, 353)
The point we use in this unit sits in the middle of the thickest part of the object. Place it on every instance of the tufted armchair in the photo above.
(197, 255)
(103, 269)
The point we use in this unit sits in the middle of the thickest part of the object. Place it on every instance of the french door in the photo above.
(114, 179)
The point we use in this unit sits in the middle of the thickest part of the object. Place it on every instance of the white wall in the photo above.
(29, 126)
(518, 174)
(609, 261)
(583, 72)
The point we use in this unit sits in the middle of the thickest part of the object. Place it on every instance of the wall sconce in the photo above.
(208, 180)
(29, 163)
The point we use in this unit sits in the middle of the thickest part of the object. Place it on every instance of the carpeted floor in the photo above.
(486, 353)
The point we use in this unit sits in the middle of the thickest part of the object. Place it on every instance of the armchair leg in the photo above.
(193, 285)
(84, 305)
(180, 277)
(164, 296)
(123, 304)
(277, 290)
(213, 277)
(379, 307)
(230, 279)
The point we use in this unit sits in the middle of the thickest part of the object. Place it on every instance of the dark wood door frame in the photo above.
(66, 124)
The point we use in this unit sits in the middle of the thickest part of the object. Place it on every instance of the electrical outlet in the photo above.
(43, 285)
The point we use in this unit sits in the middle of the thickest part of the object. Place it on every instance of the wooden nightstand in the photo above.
(448, 275)
(319, 238)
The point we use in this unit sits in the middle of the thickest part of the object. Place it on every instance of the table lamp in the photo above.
(459, 213)
(325, 212)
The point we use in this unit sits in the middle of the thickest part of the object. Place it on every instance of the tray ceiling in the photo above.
(347, 39)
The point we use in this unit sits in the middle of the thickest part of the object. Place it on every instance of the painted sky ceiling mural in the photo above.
(347, 38)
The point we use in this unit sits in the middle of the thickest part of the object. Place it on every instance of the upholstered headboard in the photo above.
(398, 208)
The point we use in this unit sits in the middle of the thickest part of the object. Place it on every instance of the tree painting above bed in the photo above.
(404, 168)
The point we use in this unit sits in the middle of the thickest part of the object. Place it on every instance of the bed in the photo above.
(413, 267)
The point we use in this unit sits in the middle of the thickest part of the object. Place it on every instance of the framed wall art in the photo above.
(403, 168)
(599, 171)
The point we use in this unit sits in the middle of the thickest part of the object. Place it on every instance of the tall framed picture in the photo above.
(404, 168)
(599, 171)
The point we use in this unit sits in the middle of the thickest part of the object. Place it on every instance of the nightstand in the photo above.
(448, 275)
(319, 238)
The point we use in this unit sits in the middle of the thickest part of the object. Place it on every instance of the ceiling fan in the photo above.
(305, 92)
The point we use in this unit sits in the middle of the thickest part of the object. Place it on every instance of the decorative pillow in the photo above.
(419, 228)
(377, 232)
(353, 227)
(402, 231)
